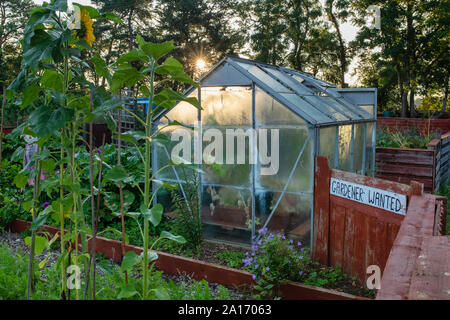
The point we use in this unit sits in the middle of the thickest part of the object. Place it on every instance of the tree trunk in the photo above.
(342, 57)
(403, 94)
(2, 121)
(444, 103)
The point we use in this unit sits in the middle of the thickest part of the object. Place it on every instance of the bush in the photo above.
(403, 139)
(273, 261)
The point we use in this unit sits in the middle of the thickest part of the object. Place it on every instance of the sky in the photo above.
(348, 33)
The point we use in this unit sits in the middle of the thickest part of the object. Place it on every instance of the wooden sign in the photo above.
(386, 200)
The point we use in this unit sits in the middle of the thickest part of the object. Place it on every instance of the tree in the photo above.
(200, 29)
(413, 38)
(337, 10)
(13, 17)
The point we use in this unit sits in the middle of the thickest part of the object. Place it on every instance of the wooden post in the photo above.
(321, 210)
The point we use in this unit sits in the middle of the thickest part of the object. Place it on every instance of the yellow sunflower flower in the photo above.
(87, 31)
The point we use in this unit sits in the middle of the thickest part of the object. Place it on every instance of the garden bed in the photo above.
(213, 273)
(14, 245)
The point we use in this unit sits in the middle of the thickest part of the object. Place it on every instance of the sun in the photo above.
(201, 64)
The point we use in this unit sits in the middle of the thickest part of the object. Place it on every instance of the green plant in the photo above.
(231, 258)
(274, 260)
(403, 139)
(188, 222)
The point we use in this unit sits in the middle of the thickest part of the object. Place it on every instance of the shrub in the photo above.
(273, 261)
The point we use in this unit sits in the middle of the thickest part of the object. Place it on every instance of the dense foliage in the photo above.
(412, 138)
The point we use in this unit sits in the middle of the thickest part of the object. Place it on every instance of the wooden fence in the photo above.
(428, 166)
(422, 125)
(441, 147)
(351, 234)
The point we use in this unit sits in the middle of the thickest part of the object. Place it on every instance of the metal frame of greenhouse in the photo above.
(313, 116)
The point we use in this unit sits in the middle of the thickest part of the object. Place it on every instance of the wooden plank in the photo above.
(371, 182)
(367, 210)
(321, 210)
(406, 169)
(359, 246)
(349, 240)
(337, 234)
(431, 280)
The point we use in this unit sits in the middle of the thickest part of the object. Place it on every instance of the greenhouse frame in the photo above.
(308, 116)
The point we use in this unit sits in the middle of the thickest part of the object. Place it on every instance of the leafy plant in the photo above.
(274, 260)
(188, 222)
(231, 258)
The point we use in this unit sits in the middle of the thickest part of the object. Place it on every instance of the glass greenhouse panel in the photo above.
(183, 112)
(324, 107)
(174, 151)
(227, 213)
(226, 106)
(269, 112)
(345, 138)
(292, 217)
(298, 87)
(349, 113)
(307, 108)
(265, 78)
(358, 148)
(302, 179)
(369, 149)
(327, 147)
(368, 108)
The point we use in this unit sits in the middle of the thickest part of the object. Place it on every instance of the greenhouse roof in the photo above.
(316, 101)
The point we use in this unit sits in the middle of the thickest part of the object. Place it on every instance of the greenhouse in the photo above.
(258, 182)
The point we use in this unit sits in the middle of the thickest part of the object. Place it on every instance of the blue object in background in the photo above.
(387, 113)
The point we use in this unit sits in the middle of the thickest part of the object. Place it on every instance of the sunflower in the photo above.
(87, 31)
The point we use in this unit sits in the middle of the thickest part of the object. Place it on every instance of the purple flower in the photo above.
(270, 237)
(300, 273)
(299, 244)
(283, 237)
(98, 151)
(291, 242)
(262, 231)
(291, 247)
(300, 257)
(253, 277)
(45, 204)
(267, 268)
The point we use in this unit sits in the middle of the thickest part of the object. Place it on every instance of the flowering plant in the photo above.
(274, 260)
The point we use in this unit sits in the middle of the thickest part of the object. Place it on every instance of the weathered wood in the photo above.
(321, 210)
(418, 223)
(430, 279)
